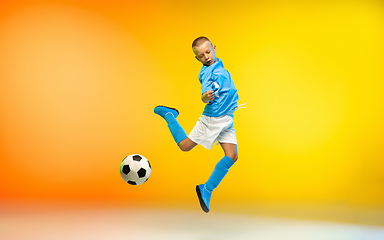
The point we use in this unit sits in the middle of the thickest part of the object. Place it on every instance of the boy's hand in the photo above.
(210, 95)
(207, 96)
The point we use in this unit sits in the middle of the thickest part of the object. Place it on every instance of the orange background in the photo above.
(80, 79)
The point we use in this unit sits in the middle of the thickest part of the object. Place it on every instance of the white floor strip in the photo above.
(163, 224)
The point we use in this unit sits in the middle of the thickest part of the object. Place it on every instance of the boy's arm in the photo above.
(207, 96)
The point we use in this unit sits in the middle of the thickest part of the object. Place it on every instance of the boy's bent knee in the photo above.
(233, 157)
(186, 145)
(184, 148)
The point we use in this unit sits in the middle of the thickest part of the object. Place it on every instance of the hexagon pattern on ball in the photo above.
(136, 158)
(141, 172)
(135, 169)
(132, 183)
(126, 169)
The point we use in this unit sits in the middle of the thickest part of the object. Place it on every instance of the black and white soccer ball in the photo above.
(135, 169)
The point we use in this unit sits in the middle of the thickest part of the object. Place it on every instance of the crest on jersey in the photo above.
(215, 89)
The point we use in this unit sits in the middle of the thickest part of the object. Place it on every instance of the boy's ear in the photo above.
(214, 48)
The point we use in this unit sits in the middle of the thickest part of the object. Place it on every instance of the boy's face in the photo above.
(205, 53)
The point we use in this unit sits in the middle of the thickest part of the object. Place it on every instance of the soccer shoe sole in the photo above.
(202, 203)
(172, 110)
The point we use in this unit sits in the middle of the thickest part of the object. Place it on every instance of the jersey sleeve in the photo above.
(211, 83)
(206, 85)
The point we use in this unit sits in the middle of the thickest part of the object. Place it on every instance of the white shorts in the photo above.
(208, 130)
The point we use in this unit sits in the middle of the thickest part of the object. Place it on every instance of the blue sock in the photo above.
(219, 172)
(177, 131)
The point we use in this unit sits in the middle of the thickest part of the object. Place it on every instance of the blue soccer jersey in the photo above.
(216, 78)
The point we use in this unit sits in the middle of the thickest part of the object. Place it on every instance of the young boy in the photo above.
(216, 123)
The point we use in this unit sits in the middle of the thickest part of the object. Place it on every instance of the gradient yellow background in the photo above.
(80, 79)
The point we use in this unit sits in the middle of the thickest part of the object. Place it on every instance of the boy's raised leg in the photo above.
(170, 115)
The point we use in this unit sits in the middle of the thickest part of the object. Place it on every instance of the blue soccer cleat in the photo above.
(204, 197)
(163, 110)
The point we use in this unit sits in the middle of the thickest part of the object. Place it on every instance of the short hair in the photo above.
(200, 40)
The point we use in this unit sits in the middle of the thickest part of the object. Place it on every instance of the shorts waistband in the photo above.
(228, 114)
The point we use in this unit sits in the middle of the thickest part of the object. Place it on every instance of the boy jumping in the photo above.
(216, 123)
